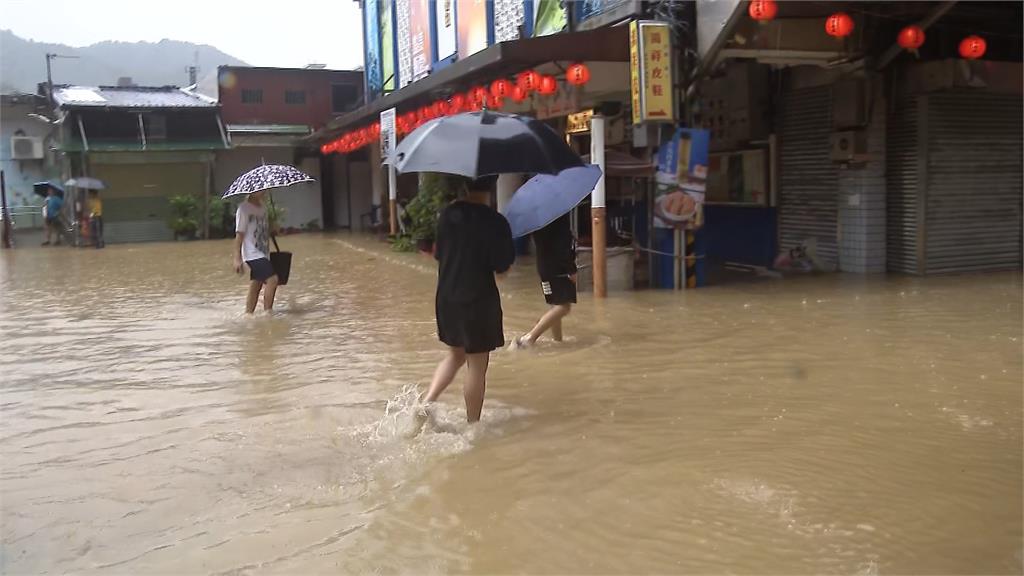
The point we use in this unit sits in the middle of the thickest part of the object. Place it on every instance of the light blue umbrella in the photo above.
(545, 198)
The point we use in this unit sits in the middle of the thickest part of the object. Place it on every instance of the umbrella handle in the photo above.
(273, 237)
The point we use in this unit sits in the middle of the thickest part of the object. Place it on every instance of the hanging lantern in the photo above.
(518, 93)
(839, 25)
(501, 88)
(456, 103)
(325, 149)
(548, 86)
(529, 80)
(973, 47)
(763, 10)
(479, 94)
(495, 102)
(440, 108)
(911, 37)
(577, 74)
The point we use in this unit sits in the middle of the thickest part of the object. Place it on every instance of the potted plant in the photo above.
(184, 220)
(435, 192)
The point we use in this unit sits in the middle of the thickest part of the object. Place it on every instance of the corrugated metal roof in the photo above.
(129, 97)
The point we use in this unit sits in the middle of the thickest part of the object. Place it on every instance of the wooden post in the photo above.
(598, 210)
(393, 198)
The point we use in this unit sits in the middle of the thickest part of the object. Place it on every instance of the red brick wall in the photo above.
(274, 110)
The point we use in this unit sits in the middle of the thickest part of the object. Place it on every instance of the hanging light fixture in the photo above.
(839, 25)
(529, 80)
(911, 37)
(548, 86)
(973, 47)
(577, 74)
(763, 10)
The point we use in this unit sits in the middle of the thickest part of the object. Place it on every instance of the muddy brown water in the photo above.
(837, 424)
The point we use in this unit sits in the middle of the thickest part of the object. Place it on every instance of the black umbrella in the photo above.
(43, 189)
(475, 144)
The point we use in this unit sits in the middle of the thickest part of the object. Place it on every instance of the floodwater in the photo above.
(836, 424)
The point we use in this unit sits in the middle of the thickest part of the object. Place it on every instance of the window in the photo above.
(345, 97)
(252, 96)
(294, 96)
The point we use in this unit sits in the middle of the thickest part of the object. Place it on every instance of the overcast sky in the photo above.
(289, 33)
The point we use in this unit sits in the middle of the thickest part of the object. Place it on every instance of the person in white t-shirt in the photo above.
(252, 246)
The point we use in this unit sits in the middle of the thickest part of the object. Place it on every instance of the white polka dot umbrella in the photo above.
(267, 177)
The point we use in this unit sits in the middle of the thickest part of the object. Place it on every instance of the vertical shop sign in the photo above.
(403, 36)
(509, 15)
(650, 46)
(387, 45)
(471, 19)
(445, 17)
(371, 30)
(419, 31)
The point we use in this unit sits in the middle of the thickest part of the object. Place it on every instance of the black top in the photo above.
(556, 249)
(473, 243)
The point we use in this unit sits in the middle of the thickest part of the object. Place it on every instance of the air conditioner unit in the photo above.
(26, 148)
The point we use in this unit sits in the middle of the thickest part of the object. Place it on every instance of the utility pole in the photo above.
(49, 74)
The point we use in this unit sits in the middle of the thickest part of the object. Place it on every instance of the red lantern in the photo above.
(548, 86)
(577, 74)
(440, 108)
(973, 47)
(456, 103)
(478, 94)
(763, 10)
(500, 88)
(911, 37)
(518, 93)
(529, 80)
(325, 149)
(376, 129)
(495, 102)
(839, 25)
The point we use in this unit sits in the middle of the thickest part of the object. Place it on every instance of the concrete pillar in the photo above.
(598, 208)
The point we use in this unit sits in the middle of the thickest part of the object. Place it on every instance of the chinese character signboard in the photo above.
(681, 180)
(509, 15)
(387, 133)
(650, 49)
(402, 33)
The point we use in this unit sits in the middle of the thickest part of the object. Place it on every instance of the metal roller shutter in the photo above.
(136, 204)
(973, 202)
(808, 179)
(902, 188)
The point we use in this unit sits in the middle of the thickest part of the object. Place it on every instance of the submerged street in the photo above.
(829, 424)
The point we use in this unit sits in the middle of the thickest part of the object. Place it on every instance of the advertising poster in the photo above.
(387, 45)
(419, 38)
(371, 27)
(592, 14)
(681, 180)
(445, 17)
(509, 15)
(471, 20)
(549, 17)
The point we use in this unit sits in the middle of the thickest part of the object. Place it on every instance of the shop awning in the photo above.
(601, 45)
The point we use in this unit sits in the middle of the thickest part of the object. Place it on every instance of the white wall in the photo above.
(301, 202)
(21, 174)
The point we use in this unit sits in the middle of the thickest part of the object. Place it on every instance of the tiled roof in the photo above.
(129, 97)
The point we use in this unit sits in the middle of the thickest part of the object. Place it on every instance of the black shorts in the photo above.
(260, 269)
(475, 326)
(559, 290)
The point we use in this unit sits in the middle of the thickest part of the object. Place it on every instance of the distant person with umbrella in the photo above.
(541, 207)
(473, 245)
(253, 233)
(96, 218)
(51, 214)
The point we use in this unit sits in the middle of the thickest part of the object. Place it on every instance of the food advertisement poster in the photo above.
(681, 180)
(471, 20)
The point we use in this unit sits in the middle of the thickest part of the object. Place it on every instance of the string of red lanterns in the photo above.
(492, 97)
